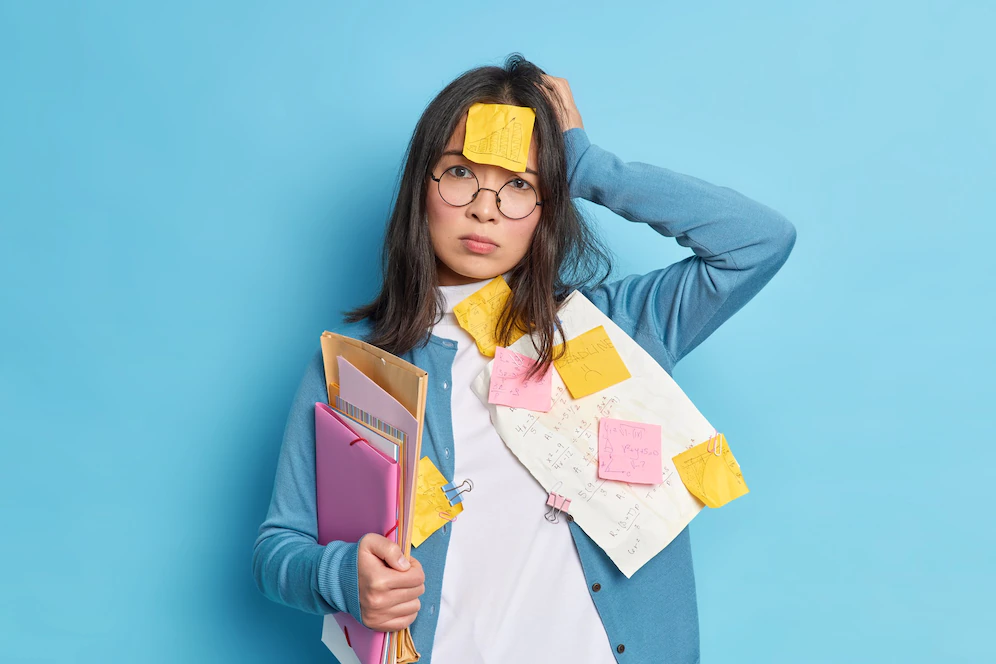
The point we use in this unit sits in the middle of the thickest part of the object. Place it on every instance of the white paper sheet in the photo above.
(335, 640)
(631, 522)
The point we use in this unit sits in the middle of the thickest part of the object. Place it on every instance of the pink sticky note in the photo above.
(629, 451)
(509, 386)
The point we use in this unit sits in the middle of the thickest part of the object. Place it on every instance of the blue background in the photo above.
(190, 194)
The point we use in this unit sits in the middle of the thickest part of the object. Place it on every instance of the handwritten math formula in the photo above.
(649, 420)
(626, 519)
(629, 451)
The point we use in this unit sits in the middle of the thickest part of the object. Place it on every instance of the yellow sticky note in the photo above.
(499, 134)
(591, 363)
(715, 480)
(478, 314)
(432, 509)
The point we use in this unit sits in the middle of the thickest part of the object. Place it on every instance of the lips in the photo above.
(478, 244)
(479, 239)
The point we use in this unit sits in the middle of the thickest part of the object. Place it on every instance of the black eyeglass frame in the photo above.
(479, 189)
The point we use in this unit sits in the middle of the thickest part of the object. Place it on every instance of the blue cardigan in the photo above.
(738, 246)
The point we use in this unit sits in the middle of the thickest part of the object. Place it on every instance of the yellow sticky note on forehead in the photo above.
(479, 313)
(590, 363)
(713, 479)
(500, 135)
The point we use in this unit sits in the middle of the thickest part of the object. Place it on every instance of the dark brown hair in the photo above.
(564, 253)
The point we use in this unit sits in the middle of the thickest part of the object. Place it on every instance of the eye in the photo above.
(461, 172)
(520, 184)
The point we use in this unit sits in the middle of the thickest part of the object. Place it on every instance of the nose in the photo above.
(484, 207)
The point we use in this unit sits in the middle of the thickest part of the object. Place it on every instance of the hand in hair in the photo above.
(567, 111)
(389, 585)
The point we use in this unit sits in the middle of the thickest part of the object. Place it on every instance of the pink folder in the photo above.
(357, 494)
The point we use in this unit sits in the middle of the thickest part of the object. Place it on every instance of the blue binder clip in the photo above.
(455, 498)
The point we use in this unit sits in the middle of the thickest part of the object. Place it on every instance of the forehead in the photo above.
(456, 144)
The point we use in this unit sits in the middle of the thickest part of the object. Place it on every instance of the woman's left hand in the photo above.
(567, 111)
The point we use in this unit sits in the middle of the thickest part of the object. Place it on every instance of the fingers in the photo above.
(381, 578)
(389, 584)
(402, 595)
(394, 604)
(556, 81)
(392, 610)
(399, 622)
(386, 580)
(559, 91)
(386, 550)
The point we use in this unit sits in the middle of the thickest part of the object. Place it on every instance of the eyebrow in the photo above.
(460, 154)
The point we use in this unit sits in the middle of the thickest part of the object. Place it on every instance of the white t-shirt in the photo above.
(513, 587)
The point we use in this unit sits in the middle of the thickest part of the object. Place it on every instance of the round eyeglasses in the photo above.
(458, 186)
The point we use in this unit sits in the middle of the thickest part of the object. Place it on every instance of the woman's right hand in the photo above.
(389, 585)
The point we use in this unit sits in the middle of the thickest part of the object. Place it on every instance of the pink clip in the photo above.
(715, 445)
(558, 504)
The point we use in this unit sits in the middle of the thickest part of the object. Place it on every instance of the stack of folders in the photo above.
(368, 440)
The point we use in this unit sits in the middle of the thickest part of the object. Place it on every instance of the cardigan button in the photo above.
(596, 587)
(620, 648)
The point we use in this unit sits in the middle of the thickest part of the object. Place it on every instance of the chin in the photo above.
(468, 271)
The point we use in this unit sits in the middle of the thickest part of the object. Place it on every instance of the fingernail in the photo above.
(403, 563)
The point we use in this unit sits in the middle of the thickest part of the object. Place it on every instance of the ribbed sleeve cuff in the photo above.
(338, 578)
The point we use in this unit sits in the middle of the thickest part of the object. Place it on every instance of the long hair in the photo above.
(564, 254)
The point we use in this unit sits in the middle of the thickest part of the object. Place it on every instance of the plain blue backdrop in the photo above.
(191, 192)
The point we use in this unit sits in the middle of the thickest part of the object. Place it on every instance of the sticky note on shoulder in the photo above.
(432, 508)
(629, 451)
(713, 478)
(500, 135)
(510, 385)
(590, 363)
(479, 313)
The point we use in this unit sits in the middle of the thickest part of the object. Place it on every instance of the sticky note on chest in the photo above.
(432, 508)
(500, 135)
(629, 451)
(590, 363)
(713, 479)
(479, 313)
(511, 387)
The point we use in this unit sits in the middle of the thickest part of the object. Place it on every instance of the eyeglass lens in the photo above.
(458, 186)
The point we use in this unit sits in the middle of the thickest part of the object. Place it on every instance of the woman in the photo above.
(502, 584)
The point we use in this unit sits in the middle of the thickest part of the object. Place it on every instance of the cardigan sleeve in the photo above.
(288, 564)
(738, 243)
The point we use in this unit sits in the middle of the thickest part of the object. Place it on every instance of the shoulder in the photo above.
(314, 374)
(617, 300)
(360, 330)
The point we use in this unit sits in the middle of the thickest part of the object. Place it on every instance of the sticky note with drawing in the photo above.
(478, 314)
(500, 135)
(432, 508)
(630, 522)
(510, 385)
(590, 363)
(629, 451)
(709, 471)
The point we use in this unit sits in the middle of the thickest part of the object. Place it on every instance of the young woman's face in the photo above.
(477, 241)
